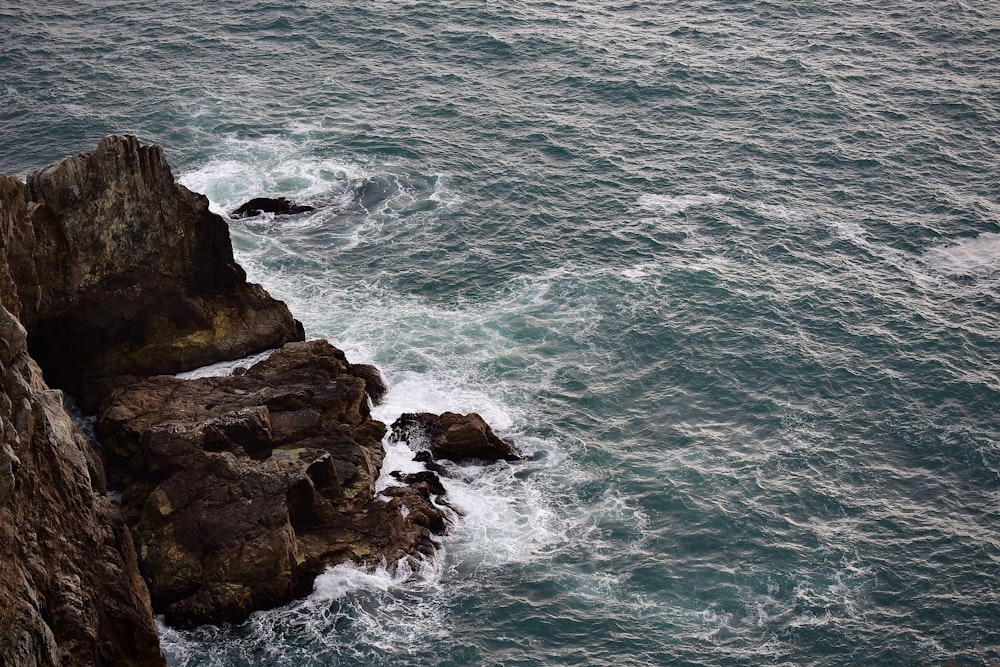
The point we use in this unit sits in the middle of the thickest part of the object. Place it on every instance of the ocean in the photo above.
(727, 271)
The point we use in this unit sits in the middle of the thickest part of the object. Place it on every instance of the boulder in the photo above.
(459, 438)
(277, 206)
(240, 490)
(123, 273)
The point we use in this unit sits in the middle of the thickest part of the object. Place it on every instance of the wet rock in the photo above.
(452, 436)
(240, 490)
(375, 385)
(428, 478)
(277, 206)
(123, 273)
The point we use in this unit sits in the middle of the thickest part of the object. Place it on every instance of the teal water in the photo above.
(728, 270)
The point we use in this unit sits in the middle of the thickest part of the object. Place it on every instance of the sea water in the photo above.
(728, 272)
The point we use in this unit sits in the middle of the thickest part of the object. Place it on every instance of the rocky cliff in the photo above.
(70, 592)
(240, 490)
(123, 273)
(109, 272)
(235, 491)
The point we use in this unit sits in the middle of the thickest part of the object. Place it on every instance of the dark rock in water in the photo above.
(375, 385)
(70, 591)
(123, 273)
(240, 490)
(278, 206)
(460, 438)
(427, 477)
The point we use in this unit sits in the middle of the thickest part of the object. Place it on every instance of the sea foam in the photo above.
(671, 204)
(975, 257)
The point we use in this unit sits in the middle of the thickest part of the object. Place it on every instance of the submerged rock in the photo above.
(277, 206)
(241, 489)
(123, 273)
(459, 438)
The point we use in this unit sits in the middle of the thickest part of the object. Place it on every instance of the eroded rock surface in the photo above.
(70, 593)
(241, 489)
(123, 273)
(452, 436)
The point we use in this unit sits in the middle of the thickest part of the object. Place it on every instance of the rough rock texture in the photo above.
(279, 206)
(70, 593)
(459, 438)
(375, 385)
(122, 272)
(236, 491)
(240, 490)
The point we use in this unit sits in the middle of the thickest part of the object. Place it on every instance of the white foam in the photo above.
(779, 212)
(420, 392)
(224, 368)
(398, 458)
(274, 166)
(671, 204)
(639, 271)
(338, 581)
(399, 612)
(505, 519)
(976, 257)
(292, 167)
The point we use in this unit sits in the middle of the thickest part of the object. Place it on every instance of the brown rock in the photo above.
(70, 592)
(240, 490)
(122, 272)
(375, 385)
(459, 438)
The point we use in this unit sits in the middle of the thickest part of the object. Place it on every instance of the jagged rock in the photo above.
(375, 385)
(277, 206)
(70, 592)
(240, 490)
(121, 272)
(459, 438)
(427, 477)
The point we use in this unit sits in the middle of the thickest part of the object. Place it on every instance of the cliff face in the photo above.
(122, 273)
(70, 592)
(109, 272)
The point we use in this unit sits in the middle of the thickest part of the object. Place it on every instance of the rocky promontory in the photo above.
(241, 489)
(123, 273)
(235, 491)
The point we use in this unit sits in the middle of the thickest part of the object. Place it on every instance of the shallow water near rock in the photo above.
(727, 272)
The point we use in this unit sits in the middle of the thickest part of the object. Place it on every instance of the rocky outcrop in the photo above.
(241, 489)
(236, 491)
(459, 438)
(123, 273)
(70, 593)
(277, 206)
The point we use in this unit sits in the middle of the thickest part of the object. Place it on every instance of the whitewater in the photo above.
(728, 272)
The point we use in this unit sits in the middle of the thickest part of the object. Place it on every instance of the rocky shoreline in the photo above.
(237, 491)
